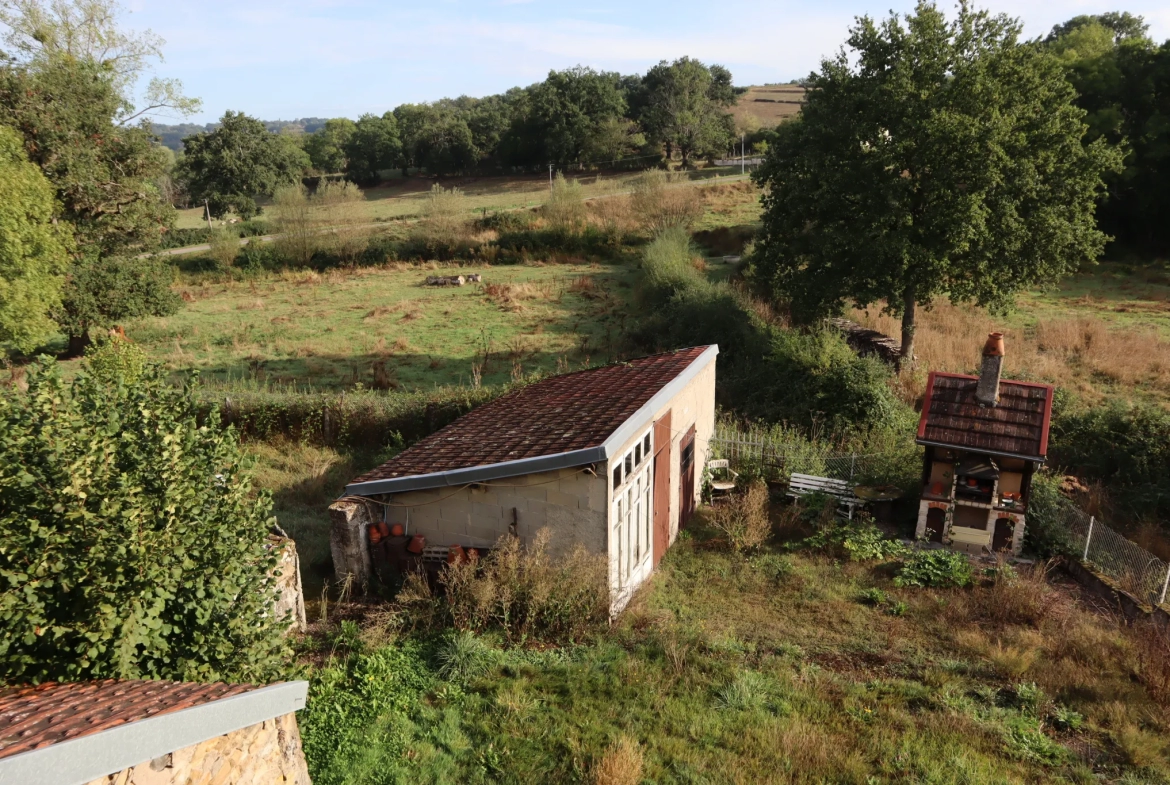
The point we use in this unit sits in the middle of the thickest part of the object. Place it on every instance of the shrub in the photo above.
(518, 590)
(225, 247)
(856, 540)
(565, 208)
(442, 225)
(659, 206)
(292, 215)
(743, 518)
(132, 544)
(937, 568)
(347, 695)
(873, 597)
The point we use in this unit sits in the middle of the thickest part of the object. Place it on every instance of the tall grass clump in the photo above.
(743, 518)
(660, 203)
(519, 590)
(339, 207)
(565, 208)
(442, 225)
(292, 216)
(225, 247)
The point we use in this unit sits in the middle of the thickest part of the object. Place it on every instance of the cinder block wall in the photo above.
(570, 502)
(261, 754)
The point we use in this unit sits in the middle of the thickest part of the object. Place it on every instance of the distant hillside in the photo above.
(172, 135)
(770, 104)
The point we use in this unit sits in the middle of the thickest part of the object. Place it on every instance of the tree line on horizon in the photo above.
(575, 118)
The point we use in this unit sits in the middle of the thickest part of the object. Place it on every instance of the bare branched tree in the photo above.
(35, 31)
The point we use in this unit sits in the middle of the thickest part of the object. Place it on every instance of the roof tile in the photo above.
(1017, 425)
(32, 717)
(574, 411)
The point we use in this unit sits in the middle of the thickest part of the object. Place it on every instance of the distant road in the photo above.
(267, 238)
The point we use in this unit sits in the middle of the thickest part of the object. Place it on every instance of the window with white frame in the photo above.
(632, 513)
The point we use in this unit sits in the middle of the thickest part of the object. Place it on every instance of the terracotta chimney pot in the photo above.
(994, 345)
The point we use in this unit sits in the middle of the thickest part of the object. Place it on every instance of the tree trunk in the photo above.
(77, 345)
(906, 361)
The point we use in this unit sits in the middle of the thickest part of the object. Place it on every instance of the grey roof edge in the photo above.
(1000, 453)
(542, 463)
(490, 471)
(86, 758)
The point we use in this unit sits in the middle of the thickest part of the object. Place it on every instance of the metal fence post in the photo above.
(1088, 537)
(852, 466)
(1165, 586)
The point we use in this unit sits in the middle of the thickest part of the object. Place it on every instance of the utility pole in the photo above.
(741, 154)
(208, 211)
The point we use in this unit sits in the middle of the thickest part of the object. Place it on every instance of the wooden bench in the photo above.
(803, 484)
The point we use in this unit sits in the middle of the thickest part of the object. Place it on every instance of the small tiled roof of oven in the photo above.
(1016, 426)
(561, 414)
(47, 714)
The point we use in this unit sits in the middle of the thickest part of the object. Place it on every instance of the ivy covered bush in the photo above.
(131, 542)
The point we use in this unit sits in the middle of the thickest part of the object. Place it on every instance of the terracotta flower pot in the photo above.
(375, 535)
(456, 555)
(384, 529)
(417, 544)
(396, 530)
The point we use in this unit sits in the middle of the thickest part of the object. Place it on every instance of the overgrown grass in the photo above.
(727, 671)
(384, 329)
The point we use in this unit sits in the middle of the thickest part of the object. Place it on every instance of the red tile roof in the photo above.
(574, 411)
(1017, 425)
(35, 717)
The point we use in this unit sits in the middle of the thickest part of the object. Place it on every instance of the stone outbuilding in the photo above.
(984, 439)
(132, 732)
(609, 458)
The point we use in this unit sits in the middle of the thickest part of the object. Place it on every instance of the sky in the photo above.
(285, 59)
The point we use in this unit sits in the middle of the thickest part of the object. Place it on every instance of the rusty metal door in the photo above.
(661, 471)
(686, 478)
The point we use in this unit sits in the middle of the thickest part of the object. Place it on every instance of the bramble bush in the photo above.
(131, 542)
(856, 540)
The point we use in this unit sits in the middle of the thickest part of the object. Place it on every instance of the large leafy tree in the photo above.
(107, 291)
(238, 161)
(104, 173)
(933, 159)
(34, 250)
(1122, 79)
(373, 147)
(326, 147)
(435, 137)
(560, 117)
(685, 107)
(132, 544)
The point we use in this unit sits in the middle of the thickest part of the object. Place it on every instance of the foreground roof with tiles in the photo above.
(1016, 426)
(73, 733)
(572, 415)
(36, 717)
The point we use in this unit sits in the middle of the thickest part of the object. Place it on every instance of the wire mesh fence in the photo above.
(1131, 567)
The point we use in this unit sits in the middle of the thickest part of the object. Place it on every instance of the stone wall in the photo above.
(291, 602)
(262, 754)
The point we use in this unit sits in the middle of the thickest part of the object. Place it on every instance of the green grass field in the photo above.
(404, 197)
(382, 327)
(773, 670)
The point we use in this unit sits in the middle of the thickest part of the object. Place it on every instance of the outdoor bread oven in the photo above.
(984, 438)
